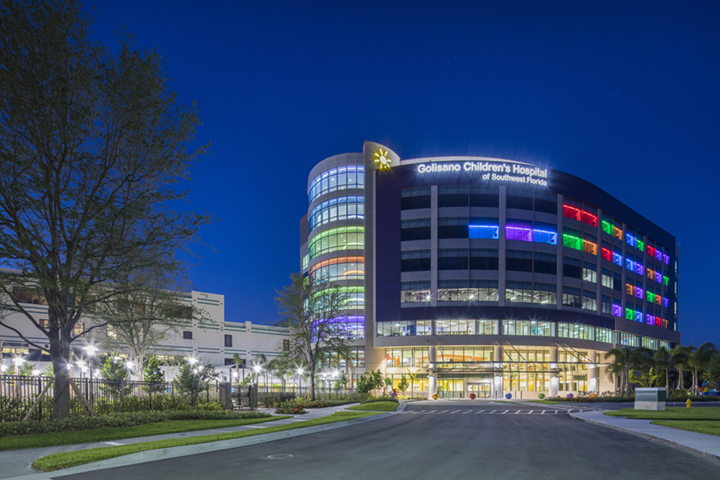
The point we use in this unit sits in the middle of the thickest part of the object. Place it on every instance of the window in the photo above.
(78, 329)
(412, 198)
(519, 260)
(545, 233)
(187, 335)
(418, 229)
(571, 297)
(342, 208)
(589, 247)
(487, 327)
(604, 335)
(528, 328)
(576, 330)
(414, 260)
(453, 227)
(455, 327)
(617, 310)
(354, 296)
(519, 230)
(546, 202)
(482, 196)
(617, 281)
(29, 296)
(228, 340)
(338, 239)
(571, 239)
(617, 256)
(341, 178)
(607, 226)
(518, 292)
(606, 254)
(617, 232)
(467, 291)
(453, 259)
(589, 301)
(286, 345)
(606, 306)
(545, 263)
(571, 267)
(415, 292)
(452, 196)
(342, 268)
(545, 293)
(519, 199)
(484, 228)
(484, 259)
(607, 278)
(589, 272)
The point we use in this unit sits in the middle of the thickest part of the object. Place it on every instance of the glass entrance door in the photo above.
(481, 390)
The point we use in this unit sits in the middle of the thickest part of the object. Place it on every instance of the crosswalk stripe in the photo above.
(530, 412)
(503, 413)
(456, 411)
(480, 412)
(556, 412)
(493, 411)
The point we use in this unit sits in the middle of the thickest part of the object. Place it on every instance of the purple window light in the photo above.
(639, 268)
(524, 234)
(666, 259)
(658, 255)
(658, 277)
(617, 310)
(666, 302)
(650, 319)
(639, 292)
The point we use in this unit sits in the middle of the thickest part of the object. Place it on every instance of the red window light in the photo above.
(651, 250)
(658, 321)
(589, 218)
(572, 212)
(607, 254)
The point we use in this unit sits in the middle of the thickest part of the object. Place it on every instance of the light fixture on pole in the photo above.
(18, 361)
(91, 350)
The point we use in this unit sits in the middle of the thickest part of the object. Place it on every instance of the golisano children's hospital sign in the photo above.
(491, 171)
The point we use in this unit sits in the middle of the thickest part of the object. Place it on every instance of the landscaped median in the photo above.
(700, 420)
(59, 461)
(378, 404)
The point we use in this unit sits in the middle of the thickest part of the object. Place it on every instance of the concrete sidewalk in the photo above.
(17, 463)
(700, 444)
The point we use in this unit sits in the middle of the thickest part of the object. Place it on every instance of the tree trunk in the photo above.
(667, 381)
(681, 380)
(312, 384)
(59, 355)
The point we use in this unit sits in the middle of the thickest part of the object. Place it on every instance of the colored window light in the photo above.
(629, 264)
(639, 268)
(658, 277)
(650, 319)
(658, 255)
(617, 259)
(666, 280)
(658, 321)
(630, 239)
(484, 231)
(638, 317)
(589, 247)
(617, 310)
(544, 236)
(650, 296)
(658, 300)
(589, 218)
(617, 233)
(524, 234)
(607, 254)
(666, 259)
(607, 227)
(629, 289)
(640, 245)
(651, 251)
(639, 292)
(666, 302)
(572, 241)
(650, 273)
(572, 212)
(629, 314)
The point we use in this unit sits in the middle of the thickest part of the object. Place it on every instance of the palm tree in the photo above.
(681, 356)
(237, 360)
(620, 367)
(664, 361)
(699, 360)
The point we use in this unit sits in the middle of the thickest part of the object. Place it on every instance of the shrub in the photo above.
(541, 396)
(119, 420)
(380, 399)
(473, 396)
(569, 395)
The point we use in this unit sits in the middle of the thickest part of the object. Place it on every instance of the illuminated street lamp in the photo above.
(18, 361)
(300, 372)
(91, 351)
(3, 368)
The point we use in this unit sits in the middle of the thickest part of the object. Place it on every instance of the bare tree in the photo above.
(311, 310)
(92, 149)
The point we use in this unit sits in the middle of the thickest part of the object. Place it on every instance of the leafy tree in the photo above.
(194, 379)
(116, 373)
(153, 373)
(341, 381)
(311, 310)
(404, 384)
(93, 148)
(26, 369)
(626, 359)
(143, 318)
(664, 361)
(370, 381)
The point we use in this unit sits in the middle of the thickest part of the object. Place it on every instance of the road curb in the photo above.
(654, 439)
(182, 451)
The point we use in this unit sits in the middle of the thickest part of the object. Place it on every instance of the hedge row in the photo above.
(119, 420)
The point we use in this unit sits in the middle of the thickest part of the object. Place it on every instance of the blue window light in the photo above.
(484, 231)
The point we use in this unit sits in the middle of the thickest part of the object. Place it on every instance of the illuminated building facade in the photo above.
(487, 276)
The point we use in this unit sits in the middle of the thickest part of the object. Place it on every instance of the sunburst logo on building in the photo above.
(382, 159)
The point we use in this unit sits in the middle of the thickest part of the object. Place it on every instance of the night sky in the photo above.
(625, 95)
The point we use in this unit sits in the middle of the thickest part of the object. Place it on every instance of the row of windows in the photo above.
(337, 239)
(527, 292)
(342, 268)
(341, 208)
(341, 178)
(513, 327)
(354, 297)
(638, 292)
(478, 196)
(450, 291)
(574, 209)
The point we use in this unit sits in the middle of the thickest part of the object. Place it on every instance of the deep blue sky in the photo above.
(625, 96)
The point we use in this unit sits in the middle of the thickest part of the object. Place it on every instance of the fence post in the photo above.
(39, 379)
(122, 394)
(150, 393)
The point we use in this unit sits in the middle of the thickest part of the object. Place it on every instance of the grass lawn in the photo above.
(698, 426)
(545, 402)
(375, 407)
(18, 442)
(58, 461)
(671, 413)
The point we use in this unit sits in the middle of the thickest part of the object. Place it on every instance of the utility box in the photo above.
(650, 399)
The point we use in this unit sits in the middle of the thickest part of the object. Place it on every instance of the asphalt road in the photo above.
(461, 443)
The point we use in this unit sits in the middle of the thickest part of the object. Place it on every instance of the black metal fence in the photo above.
(18, 393)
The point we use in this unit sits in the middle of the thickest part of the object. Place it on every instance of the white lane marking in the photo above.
(456, 411)
(443, 411)
(469, 411)
(493, 412)
(543, 412)
(530, 412)
(517, 412)
(478, 413)
(503, 413)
